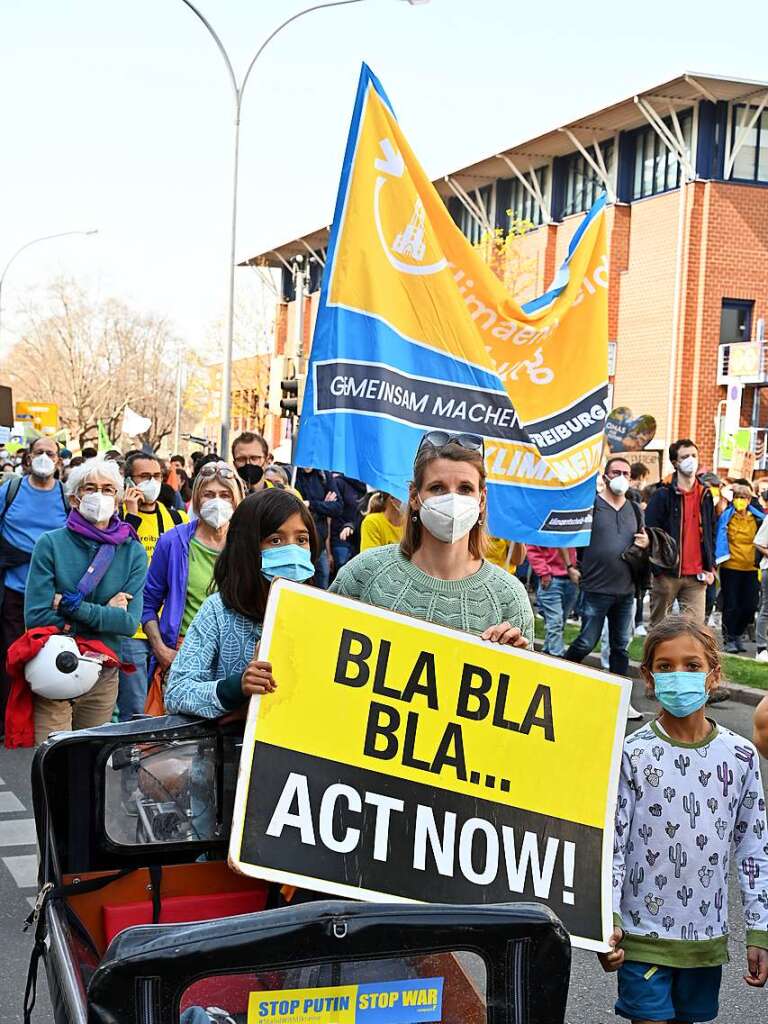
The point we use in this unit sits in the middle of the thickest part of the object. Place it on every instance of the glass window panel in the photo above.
(637, 188)
(440, 987)
(735, 321)
(163, 792)
(762, 156)
(648, 167)
(744, 164)
(673, 170)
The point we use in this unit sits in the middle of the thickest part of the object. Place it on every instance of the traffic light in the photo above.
(286, 387)
(289, 402)
(292, 389)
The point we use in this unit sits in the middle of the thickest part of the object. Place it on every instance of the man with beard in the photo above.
(250, 455)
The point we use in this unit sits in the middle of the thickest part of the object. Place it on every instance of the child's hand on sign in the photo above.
(504, 633)
(613, 960)
(258, 678)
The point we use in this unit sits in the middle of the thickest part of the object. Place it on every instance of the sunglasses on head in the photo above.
(441, 438)
(217, 469)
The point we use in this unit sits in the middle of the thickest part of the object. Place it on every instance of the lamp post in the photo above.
(237, 91)
(34, 241)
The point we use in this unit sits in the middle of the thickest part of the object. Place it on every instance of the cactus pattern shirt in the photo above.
(683, 810)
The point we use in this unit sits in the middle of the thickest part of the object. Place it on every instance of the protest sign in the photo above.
(382, 1002)
(415, 332)
(625, 432)
(651, 458)
(742, 465)
(401, 760)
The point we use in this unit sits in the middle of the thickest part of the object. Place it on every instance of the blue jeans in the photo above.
(322, 575)
(619, 609)
(132, 688)
(341, 552)
(556, 603)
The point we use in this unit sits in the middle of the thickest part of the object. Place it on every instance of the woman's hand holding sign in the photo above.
(258, 678)
(505, 633)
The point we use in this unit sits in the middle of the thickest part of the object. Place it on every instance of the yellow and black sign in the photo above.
(402, 760)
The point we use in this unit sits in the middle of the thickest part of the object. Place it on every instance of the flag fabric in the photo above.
(134, 423)
(415, 332)
(105, 444)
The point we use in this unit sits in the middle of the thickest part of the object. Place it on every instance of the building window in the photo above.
(735, 321)
(582, 185)
(521, 204)
(657, 168)
(751, 163)
(467, 221)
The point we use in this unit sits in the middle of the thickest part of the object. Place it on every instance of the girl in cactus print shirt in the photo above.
(690, 798)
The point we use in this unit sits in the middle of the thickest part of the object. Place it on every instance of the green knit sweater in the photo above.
(384, 577)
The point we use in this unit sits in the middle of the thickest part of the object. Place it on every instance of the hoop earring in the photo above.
(414, 518)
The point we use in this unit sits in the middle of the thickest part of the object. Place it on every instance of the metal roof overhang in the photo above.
(676, 94)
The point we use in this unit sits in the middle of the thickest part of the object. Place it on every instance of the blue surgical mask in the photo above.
(289, 561)
(681, 693)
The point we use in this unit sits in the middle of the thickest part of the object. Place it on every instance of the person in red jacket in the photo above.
(556, 594)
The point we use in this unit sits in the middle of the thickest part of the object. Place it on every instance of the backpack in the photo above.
(11, 489)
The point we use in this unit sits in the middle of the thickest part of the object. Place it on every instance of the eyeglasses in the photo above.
(252, 460)
(107, 489)
(441, 438)
(216, 469)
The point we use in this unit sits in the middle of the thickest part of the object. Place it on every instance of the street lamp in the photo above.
(34, 241)
(237, 90)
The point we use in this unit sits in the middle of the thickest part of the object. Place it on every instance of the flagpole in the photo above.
(177, 425)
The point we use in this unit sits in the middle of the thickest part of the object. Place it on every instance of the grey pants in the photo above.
(762, 618)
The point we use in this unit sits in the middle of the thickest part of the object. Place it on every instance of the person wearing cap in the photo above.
(438, 571)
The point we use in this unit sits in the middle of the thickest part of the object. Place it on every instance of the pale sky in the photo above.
(117, 116)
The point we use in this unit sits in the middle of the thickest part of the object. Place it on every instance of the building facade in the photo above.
(685, 169)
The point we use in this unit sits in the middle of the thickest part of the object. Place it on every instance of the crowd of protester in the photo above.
(693, 543)
(162, 570)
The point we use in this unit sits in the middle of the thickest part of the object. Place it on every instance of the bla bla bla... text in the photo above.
(480, 697)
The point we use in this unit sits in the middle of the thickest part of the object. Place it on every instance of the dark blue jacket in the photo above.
(350, 492)
(313, 485)
(665, 510)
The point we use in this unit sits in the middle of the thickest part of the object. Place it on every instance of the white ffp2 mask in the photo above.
(619, 484)
(449, 517)
(97, 508)
(43, 465)
(150, 489)
(216, 512)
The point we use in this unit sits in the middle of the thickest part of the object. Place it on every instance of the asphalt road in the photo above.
(592, 993)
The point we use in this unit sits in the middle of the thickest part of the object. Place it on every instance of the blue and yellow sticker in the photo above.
(383, 1002)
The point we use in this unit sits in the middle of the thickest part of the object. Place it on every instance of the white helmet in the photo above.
(60, 672)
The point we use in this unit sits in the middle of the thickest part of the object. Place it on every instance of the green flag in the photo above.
(104, 443)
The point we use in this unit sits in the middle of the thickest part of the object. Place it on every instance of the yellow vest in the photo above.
(151, 525)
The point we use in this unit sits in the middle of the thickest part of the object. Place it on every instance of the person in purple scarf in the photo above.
(87, 579)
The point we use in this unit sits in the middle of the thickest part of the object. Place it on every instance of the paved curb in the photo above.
(741, 694)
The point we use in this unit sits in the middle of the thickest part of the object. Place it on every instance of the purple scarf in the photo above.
(117, 532)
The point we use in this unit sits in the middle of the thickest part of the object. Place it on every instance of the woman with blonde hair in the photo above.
(438, 571)
(383, 522)
(182, 567)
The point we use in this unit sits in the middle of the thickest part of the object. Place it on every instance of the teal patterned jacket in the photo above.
(204, 678)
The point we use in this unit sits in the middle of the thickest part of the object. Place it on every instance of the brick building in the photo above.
(685, 168)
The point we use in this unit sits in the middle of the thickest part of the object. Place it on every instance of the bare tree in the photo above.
(93, 359)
